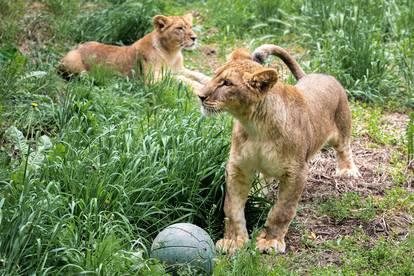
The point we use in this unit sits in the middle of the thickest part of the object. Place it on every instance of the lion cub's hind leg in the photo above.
(346, 166)
(342, 143)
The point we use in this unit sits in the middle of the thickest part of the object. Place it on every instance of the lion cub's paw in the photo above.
(230, 246)
(270, 245)
(352, 172)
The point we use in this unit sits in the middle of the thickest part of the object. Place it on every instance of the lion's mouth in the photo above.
(210, 110)
(190, 46)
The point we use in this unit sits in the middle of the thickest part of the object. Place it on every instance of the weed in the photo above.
(376, 131)
(349, 206)
(397, 199)
(410, 139)
(246, 262)
(400, 172)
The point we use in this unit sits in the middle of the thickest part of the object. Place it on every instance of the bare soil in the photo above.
(373, 163)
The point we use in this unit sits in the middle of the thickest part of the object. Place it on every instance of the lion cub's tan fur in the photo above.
(277, 129)
(156, 52)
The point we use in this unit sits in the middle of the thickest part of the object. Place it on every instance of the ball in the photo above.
(184, 244)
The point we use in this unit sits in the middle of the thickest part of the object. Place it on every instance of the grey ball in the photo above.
(184, 244)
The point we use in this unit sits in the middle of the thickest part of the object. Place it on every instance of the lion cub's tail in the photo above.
(262, 52)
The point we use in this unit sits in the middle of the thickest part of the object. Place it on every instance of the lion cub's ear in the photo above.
(161, 22)
(189, 18)
(239, 54)
(261, 80)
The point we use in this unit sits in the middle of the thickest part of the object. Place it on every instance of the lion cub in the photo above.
(158, 51)
(277, 130)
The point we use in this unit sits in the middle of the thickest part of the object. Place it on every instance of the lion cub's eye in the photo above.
(227, 83)
(180, 28)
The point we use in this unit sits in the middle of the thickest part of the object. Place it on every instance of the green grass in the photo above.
(351, 206)
(357, 256)
(115, 172)
(92, 169)
(410, 139)
(119, 23)
(366, 44)
(348, 206)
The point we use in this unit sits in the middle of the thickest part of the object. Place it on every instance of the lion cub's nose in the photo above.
(202, 98)
(193, 38)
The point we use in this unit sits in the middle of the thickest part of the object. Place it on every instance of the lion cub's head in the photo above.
(237, 86)
(175, 31)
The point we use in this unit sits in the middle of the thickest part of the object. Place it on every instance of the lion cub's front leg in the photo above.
(272, 237)
(195, 85)
(197, 76)
(238, 184)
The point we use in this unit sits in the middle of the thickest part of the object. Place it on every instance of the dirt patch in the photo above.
(206, 61)
(37, 28)
(36, 6)
(373, 161)
(211, 57)
(396, 122)
(323, 228)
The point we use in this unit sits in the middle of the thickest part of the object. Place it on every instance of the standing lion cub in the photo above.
(277, 130)
(157, 52)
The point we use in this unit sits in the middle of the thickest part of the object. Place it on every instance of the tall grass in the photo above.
(363, 43)
(410, 140)
(122, 23)
(353, 39)
(10, 29)
(127, 160)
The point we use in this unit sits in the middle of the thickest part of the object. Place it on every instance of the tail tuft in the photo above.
(261, 53)
(259, 57)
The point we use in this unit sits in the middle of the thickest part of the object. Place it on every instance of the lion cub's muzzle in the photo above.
(209, 108)
(202, 98)
(190, 43)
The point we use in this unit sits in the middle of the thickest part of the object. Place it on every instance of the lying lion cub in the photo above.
(158, 51)
(277, 130)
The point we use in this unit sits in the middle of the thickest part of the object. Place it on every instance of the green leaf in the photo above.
(44, 143)
(35, 74)
(16, 137)
(35, 160)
